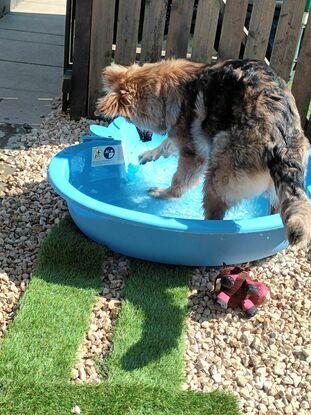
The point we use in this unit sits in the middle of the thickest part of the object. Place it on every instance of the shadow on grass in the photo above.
(153, 316)
(67, 248)
(156, 290)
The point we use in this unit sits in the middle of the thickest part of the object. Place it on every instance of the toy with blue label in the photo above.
(106, 190)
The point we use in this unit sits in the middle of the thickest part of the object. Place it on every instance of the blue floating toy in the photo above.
(106, 192)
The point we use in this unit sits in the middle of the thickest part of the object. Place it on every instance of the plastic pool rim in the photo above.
(59, 176)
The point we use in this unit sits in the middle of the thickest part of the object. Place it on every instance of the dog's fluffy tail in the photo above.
(287, 170)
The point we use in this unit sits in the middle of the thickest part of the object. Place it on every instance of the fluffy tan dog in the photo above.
(235, 122)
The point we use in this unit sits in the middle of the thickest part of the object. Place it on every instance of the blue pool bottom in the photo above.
(129, 189)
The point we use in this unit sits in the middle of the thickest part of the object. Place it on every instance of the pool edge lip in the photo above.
(58, 172)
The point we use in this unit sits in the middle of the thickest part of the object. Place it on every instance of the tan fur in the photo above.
(165, 149)
(297, 220)
(133, 91)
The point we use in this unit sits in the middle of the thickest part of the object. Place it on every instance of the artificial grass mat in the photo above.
(53, 399)
(145, 368)
(54, 312)
(149, 339)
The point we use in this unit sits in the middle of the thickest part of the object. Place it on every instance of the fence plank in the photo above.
(101, 47)
(127, 31)
(259, 29)
(286, 37)
(153, 31)
(232, 29)
(179, 28)
(302, 80)
(81, 58)
(205, 30)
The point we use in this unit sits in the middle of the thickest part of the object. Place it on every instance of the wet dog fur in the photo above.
(236, 123)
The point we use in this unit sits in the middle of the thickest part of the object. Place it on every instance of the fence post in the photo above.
(153, 30)
(81, 58)
(259, 29)
(302, 79)
(179, 28)
(103, 12)
(286, 37)
(205, 31)
(232, 29)
(127, 31)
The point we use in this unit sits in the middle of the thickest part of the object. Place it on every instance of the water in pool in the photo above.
(132, 193)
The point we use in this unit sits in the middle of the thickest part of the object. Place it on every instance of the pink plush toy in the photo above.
(238, 289)
(257, 294)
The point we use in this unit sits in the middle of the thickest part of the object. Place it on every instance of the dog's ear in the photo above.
(112, 76)
(112, 105)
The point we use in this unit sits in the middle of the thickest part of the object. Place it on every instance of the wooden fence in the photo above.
(125, 31)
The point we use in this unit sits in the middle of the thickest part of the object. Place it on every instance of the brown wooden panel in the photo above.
(127, 31)
(205, 30)
(232, 29)
(101, 47)
(286, 37)
(81, 59)
(153, 30)
(179, 28)
(259, 29)
(302, 80)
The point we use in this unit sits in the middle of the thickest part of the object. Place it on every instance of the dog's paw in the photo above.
(158, 193)
(169, 193)
(149, 155)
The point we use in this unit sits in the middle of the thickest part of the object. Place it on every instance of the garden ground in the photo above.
(264, 362)
(145, 369)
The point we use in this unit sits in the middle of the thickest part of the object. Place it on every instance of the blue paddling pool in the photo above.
(106, 192)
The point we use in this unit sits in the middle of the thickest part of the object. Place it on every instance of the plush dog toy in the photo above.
(236, 288)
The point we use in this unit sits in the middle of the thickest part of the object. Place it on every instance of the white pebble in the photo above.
(76, 410)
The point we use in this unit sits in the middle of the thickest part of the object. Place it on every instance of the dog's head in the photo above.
(141, 93)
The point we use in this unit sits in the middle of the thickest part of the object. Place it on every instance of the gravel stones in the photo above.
(29, 208)
(265, 361)
(9, 295)
(97, 341)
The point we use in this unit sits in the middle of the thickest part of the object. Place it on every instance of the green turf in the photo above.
(150, 332)
(146, 366)
(54, 312)
(53, 399)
